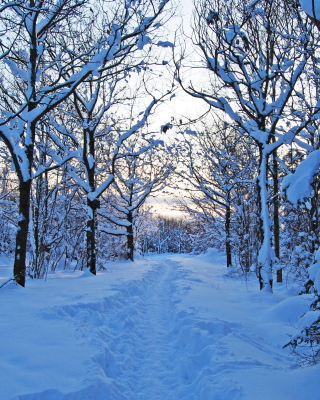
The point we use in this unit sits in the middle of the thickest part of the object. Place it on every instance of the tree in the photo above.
(137, 176)
(217, 159)
(44, 60)
(57, 225)
(99, 99)
(257, 54)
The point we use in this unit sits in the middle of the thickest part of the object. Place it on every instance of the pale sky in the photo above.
(180, 106)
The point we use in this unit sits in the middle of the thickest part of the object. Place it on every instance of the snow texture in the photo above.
(143, 40)
(298, 185)
(163, 328)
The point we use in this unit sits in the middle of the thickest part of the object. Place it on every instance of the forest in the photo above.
(87, 137)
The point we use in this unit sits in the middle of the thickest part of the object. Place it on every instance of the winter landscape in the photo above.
(159, 200)
(171, 327)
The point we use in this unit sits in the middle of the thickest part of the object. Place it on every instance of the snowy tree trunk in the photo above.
(266, 255)
(276, 220)
(89, 159)
(19, 267)
(40, 224)
(36, 234)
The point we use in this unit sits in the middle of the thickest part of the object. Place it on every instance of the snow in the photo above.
(165, 327)
(298, 185)
(311, 7)
(143, 40)
(308, 319)
(17, 71)
(314, 272)
(165, 44)
(232, 33)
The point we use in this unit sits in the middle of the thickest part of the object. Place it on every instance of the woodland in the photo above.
(84, 143)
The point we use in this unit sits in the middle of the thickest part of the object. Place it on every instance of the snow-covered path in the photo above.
(153, 359)
(171, 328)
(153, 356)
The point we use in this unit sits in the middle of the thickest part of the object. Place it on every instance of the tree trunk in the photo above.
(19, 267)
(40, 226)
(228, 241)
(91, 245)
(92, 205)
(276, 220)
(130, 242)
(36, 234)
(266, 255)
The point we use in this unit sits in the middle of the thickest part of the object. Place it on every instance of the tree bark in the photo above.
(130, 241)
(89, 148)
(19, 267)
(91, 245)
(276, 219)
(228, 241)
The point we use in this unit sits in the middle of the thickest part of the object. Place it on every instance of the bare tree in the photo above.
(136, 177)
(257, 54)
(44, 60)
(218, 160)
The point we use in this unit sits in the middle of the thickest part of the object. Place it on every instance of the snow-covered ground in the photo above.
(164, 328)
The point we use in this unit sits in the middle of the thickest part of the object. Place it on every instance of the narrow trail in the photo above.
(154, 356)
(151, 358)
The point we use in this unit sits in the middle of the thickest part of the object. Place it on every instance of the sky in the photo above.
(178, 107)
